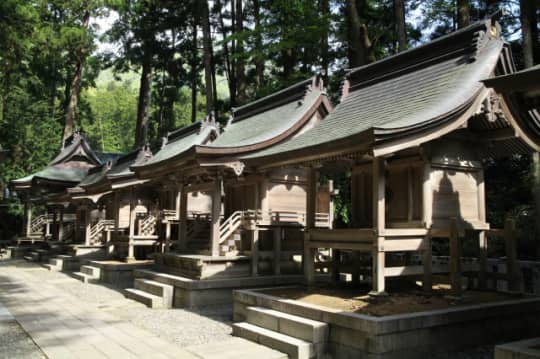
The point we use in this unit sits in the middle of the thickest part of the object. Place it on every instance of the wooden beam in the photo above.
(403, 271)
(404, 245)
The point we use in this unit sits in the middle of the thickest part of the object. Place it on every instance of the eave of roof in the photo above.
(521, 81)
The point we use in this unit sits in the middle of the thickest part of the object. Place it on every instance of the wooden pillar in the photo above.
(334, 274)
(132, 217)
(379, 224)
(216, 213)
(512, 273)
(311, 203)
(331, 206)
(482, 239)
(116, 217)
(455, 258)
(255, 253)
(427, 209)
(182, 219)
(28, 216)
(167, 237)
(61, 224)
(47, 225)
(263, 199)
(88, 226)
(278, 235)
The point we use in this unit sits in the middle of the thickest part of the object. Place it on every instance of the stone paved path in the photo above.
(64, 326)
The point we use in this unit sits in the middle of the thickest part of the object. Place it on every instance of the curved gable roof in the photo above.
(413, 91)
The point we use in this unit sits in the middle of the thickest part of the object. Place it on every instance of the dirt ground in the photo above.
(402, 301)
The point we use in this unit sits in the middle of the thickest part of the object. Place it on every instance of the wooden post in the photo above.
(311, 201)
(182, 220)
(216, 213)
(255, 253)
(511, 255)
(167, 237)
(482, 273)
(482, 240)
(61, 224)
(427, 261)
(28, 216)
(278, 234)
(116, 215)
(47, 225)
(427, 204)
(334, 275)
(132, 217)
(331, 206)
(455, 258)
(379, 224)
(88, 226)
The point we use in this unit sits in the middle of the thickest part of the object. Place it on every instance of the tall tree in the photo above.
(207, 56)
(527, 16)
(401, 25)
(463, 13)
(359, 43)
(76, 81)
(259, 56)
(241, 86)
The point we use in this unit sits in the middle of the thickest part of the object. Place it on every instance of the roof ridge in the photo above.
(278, 98)
(181, 132)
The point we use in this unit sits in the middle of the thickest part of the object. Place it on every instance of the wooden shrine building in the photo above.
(412, 131)
(48, 186)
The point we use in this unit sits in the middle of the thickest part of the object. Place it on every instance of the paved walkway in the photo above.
(64, 326)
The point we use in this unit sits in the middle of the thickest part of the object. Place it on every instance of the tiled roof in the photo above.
(413, 90)
(181, 140)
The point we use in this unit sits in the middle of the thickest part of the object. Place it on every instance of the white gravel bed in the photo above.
(16, 344)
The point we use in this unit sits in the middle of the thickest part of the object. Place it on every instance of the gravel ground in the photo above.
(16, 344)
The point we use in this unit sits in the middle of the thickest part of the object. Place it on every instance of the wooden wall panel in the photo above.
(455, 194)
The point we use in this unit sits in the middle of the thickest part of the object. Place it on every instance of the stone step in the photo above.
(91, 271)
(293, 347)
(85, 278)
(301, 328)
(52, 267)
(164, 291)
(150, 300)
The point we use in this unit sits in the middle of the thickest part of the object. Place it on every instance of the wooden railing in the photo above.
(147, 225)
(36, 226)
(231, 224)
(96, 231)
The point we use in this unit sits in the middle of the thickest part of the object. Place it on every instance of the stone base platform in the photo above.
(116, 273)
(196, 266)
(523, 349)
(411, 335)
(189, 293)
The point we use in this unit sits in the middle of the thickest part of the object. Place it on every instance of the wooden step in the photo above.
(301, 328)
(150, 300)
(164, 291)
(295, 348)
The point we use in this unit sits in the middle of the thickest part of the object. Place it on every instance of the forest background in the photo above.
(128, 71)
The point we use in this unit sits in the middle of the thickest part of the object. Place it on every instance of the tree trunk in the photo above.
(227, 57)
(463, 13)
(75, 87)
(401, 29)
(193, 75)
(525, 7)
(207, 54)
(259, 58)
(241, 86)
(143, 107)
(360, 49)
